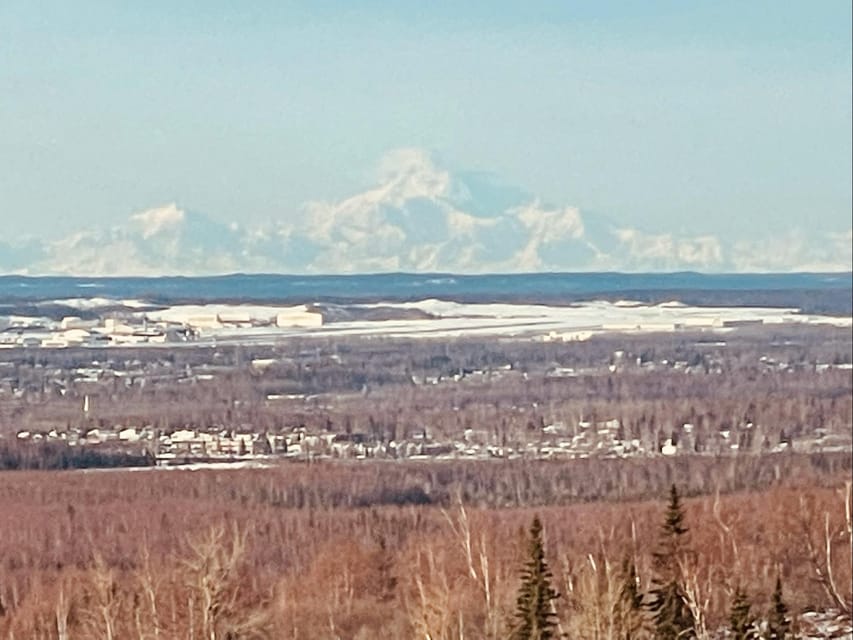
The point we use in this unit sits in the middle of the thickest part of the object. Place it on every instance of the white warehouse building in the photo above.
(299, 317)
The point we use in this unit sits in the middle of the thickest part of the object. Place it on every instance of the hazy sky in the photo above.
(720, 116)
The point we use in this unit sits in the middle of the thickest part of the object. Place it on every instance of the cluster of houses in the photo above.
(299, 443)
(587, 439)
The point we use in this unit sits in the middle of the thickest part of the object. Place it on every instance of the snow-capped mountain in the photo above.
(419, 216)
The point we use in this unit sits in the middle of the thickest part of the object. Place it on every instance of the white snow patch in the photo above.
(155, 221)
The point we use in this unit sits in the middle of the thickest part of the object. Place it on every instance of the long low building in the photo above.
(299, 318)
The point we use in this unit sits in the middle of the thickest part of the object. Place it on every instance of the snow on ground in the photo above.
(235, 323)
(223, 465)
(185, 313)
(96, 303)
(452, 319)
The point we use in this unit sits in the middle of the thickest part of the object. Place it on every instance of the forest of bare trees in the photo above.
(207, 554)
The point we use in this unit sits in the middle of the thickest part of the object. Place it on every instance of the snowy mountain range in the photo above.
(419, 217)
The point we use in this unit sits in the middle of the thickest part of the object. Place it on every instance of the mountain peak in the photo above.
(152, 222)
(419, 216)
(412, 173)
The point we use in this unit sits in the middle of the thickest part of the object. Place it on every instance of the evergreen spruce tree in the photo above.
(670, 613)
(741, 623)
(534, 619)
(629, 607)
(778, 622)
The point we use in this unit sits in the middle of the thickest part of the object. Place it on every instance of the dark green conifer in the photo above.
(778, 622)
(670, 613)
(534, 617)
(629, 607)
(741, 623)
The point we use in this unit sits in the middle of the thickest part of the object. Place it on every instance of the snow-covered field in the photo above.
(96, 303)
(452, 319)
(428, 318)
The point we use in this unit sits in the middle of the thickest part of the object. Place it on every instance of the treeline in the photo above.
(499, 484)
(330, 484)
(185, 556)
(59, 455)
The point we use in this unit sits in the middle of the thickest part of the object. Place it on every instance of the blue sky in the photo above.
(698, 117)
